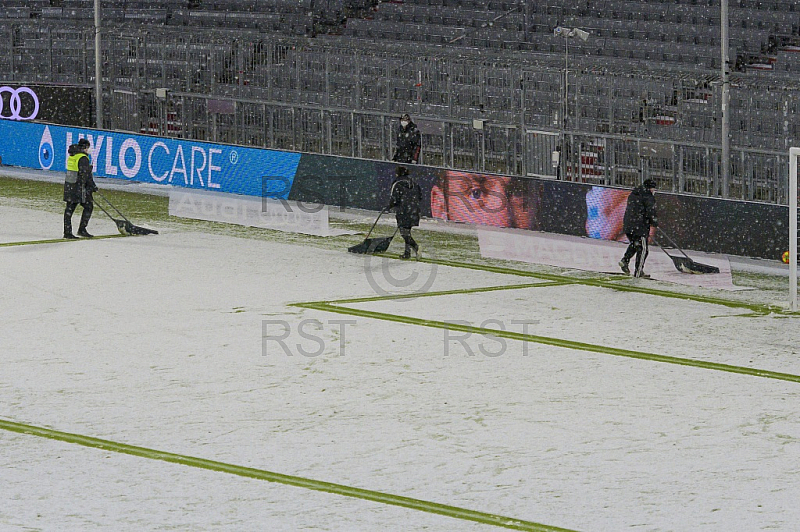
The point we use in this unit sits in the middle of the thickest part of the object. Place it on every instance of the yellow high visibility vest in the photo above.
(72, 162)
(72, 167)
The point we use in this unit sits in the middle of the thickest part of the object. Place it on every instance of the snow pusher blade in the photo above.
(685, 264)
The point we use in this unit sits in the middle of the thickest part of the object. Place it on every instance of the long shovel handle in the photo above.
(111, 204)
(676, 261)
(375, 223)
(105, 211)
(655, 241)
(672, 242)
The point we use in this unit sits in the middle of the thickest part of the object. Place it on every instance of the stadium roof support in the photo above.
(98, 67)
(726, 99)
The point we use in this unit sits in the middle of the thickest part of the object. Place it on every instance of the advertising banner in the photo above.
(697, 223)
(56, 104)
(704, 224)
(182, 163)
(267, 213)
(596, 255)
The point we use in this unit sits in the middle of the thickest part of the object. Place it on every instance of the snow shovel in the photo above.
(685, 264)
(373, 245)
(124, 226)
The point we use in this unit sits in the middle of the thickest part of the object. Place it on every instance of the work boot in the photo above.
(623, 265)
(84, 233)
(70, 236)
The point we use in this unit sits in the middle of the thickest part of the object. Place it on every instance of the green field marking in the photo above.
(457, 291)
(756, 308)
(546, 340)
(58, 240)
(549, 280)
(289, 480)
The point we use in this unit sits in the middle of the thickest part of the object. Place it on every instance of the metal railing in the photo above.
(596, 158)
(489, 111)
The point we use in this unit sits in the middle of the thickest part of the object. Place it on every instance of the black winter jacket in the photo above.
(406, 197)
(409, 143)
(640, 213)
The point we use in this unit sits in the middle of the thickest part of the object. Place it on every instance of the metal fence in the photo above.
(485, 111)
(603, 159)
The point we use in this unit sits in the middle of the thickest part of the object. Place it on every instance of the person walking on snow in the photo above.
(640, 216)
(405, 199)
(409, 142)
(78, 188)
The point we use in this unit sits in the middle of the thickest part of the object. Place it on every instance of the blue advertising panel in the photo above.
(177, 162)
(698, 223)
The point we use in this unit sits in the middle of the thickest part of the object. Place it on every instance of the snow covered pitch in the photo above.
(197, 380)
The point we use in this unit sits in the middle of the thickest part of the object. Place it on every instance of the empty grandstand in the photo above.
(485, 81)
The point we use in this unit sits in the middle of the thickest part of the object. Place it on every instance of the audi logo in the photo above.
(15, 103)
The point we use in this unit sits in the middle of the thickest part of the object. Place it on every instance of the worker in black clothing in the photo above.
(78, 188)
(405, 200)
(409, 142)
(640, 216)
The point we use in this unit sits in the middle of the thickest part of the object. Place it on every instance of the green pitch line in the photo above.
(558, 342)
(57, 240)
(549, 279)
(414, 295)
(755, 308)
(300, 482)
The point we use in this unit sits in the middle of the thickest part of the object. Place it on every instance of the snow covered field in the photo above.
(193, 343)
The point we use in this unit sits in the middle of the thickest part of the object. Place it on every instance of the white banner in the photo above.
(580, 253)
(281, 215)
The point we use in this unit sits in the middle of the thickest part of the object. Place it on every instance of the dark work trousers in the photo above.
(638, 246)
(405, 232)
(88, 207)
